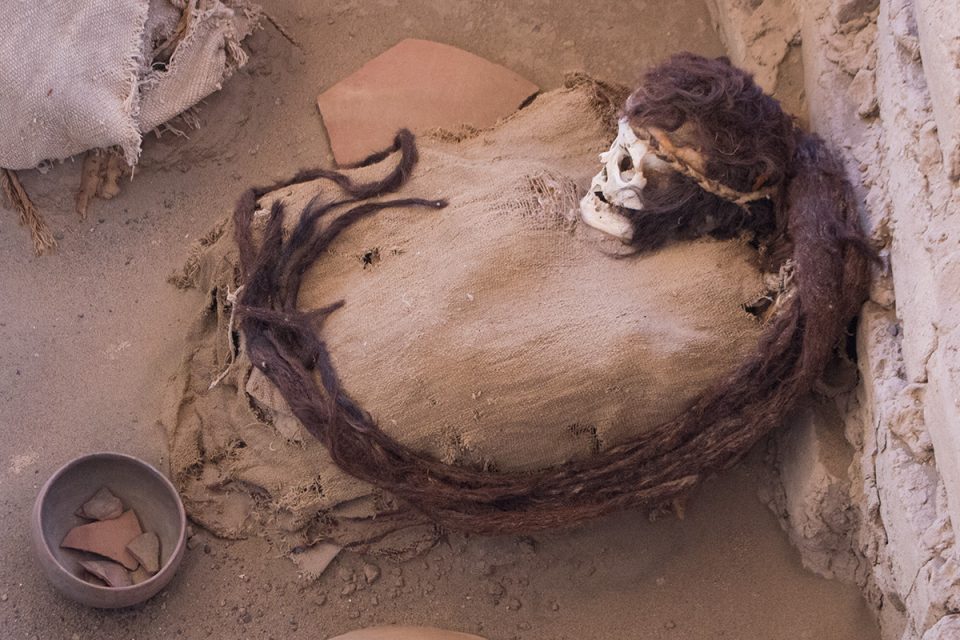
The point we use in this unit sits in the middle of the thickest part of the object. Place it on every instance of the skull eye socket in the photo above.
(626, 167)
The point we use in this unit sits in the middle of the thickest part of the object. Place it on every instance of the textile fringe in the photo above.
(43, 239)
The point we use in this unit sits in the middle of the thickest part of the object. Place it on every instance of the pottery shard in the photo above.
(406, 633)
(419, 85)
(140, 575)
(315, 560)
(110, 572)
(102, 506)
(146, 549)
(108, 538)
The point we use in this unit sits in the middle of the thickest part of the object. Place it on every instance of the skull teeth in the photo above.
(601, 216)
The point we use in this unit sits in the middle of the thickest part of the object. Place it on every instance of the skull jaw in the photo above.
(596, 213)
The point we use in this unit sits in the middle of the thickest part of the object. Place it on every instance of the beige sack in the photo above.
(498, 332)
(78, 75)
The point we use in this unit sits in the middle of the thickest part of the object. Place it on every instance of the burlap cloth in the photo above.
(498, 332)
(80, 75)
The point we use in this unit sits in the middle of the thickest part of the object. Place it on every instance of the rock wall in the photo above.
(867, 478)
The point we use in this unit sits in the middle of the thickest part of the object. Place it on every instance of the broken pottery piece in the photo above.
(102, 506)
(146, 549)
(314, 560)
(94, 580)
(108, 538)
(406, 633)
(419, 85)
(110, 572)
(140, 575)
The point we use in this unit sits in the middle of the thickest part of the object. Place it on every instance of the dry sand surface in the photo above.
(90, 335)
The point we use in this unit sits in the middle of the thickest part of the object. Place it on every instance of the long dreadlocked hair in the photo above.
(743, 140)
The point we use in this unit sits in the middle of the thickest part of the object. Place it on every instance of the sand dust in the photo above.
(89, 336)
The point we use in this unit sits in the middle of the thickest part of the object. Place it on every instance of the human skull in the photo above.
(618, 184)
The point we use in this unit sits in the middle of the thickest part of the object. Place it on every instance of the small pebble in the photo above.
(345, 574)
(348, 589)
(3, 598)
(513, 604)
(371, 572)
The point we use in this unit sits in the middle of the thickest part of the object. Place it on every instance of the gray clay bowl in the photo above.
(141, 488)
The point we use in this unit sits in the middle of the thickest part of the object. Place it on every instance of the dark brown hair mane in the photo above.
(745, 139)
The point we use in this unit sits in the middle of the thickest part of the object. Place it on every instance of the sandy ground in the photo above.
(90, 335)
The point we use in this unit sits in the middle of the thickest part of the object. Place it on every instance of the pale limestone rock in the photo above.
(863, 93)
(816, 506)
(948, 628)
(847, 10)
(937, 25)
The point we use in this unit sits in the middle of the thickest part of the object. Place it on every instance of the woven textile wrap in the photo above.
(497, 333)
(87, 74)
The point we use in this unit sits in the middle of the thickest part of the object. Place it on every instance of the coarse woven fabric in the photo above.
(498, 333)
(81, 75)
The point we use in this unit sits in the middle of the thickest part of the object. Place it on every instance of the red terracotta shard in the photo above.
(102, 506)
(110, 572)
(419, 85)
(108, 538)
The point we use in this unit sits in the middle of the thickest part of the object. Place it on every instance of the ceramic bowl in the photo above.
(140, 487)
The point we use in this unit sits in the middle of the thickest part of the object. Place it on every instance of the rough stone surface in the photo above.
(863, 93)
(938, 27)
(947, 628)
(812, 498)
(883, 88)
(848, 10)
(757, 35)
